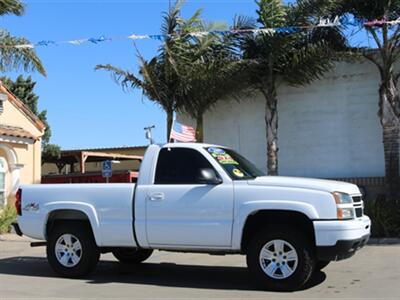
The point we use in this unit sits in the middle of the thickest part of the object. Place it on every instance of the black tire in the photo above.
(321, 264)
(131, 255)
(305, 262)
(89, 253)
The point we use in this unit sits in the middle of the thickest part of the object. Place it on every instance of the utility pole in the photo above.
(148, 133)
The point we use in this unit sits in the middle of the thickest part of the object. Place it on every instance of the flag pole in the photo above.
(170, 132)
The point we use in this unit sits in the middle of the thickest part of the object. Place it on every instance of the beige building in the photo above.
(20, 145)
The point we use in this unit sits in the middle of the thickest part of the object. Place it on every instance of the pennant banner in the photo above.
(159, 37)
(380, 23)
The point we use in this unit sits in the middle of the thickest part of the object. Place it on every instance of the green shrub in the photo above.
(7, 216)
(385, 217)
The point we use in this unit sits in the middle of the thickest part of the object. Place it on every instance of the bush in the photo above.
(385, 217)
(7, 216)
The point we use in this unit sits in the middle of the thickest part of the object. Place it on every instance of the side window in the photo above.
(179, 166)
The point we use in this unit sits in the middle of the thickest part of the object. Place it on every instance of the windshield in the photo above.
(237, 167)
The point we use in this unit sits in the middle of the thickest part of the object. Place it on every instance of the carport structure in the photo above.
(71, 157)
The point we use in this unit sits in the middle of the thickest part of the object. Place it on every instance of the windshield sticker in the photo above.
(216, 150)
(225, 159)
(238, 173)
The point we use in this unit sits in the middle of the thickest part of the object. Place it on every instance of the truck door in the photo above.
(180, 211)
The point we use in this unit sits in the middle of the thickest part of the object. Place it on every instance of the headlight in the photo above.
(345, 213)
(342, 198)
(344, 203)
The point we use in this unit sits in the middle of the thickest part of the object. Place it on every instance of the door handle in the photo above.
(157, 197)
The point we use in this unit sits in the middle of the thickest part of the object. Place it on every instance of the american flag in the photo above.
(182, 133)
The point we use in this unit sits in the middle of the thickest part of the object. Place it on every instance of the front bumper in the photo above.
(340, 239)
(341, 250)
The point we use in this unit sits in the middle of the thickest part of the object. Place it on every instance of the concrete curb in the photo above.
(384, 241)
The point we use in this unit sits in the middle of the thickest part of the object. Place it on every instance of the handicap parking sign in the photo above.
(107, 169)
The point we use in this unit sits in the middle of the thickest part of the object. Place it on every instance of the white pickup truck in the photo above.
(199, 198)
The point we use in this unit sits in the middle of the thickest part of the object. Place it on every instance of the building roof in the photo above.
(23, 108)
(16, 132)
(105, 149)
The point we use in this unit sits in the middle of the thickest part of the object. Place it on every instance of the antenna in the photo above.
(148, 134)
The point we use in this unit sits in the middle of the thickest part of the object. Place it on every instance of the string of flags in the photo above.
(323, 22)
(380, 23)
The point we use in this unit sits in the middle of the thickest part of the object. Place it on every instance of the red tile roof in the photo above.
(16, 132)
(23, 108)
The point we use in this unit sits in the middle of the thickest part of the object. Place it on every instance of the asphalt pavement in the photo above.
(373, 273)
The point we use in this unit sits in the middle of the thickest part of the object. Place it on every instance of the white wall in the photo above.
(327, 129)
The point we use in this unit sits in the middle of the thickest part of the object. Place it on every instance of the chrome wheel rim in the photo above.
(68, 250)
(278, 259)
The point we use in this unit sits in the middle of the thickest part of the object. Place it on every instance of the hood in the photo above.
(306, 183)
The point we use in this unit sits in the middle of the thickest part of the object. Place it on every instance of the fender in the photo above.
(85, 208)
(252, 207)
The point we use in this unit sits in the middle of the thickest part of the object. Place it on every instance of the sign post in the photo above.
(107, 170)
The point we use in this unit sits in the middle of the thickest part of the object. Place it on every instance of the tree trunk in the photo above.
(271, 123)
(170, 116)
(199, 129)
(391, 137)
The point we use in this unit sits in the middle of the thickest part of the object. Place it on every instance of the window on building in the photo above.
(3, 98)
(179, 166)
(2, 182)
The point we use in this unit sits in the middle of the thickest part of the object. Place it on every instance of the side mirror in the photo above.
(208, 176)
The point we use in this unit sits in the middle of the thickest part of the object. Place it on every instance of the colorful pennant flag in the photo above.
(158, 37)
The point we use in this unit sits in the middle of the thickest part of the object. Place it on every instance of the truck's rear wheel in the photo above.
(280, 258)
(132, 255)
(71, 250)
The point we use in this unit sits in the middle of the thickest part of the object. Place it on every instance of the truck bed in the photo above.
(109, 208)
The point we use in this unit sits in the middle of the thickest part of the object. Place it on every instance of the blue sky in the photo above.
(86, 108)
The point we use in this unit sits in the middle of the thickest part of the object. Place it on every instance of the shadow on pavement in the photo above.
(159, 274)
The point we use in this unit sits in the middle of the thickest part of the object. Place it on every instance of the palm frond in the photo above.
(272, 13)
(126, 79)
(307, 64)
(243, 22)
(12, 58)
(15, 7)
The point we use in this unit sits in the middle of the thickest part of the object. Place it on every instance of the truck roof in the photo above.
(191, 145)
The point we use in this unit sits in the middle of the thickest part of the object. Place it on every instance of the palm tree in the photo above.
(297, 58)
(158, 78)
(385, 55)
(11, 57)
(214, 73)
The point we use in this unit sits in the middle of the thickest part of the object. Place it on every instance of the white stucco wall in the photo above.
(328, 129)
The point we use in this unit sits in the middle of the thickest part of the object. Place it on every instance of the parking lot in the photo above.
(374, 273)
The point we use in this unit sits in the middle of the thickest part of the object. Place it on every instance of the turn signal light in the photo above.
(18, 203)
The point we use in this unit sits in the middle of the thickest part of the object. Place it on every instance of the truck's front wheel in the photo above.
(132, 255)
(280, 258)
(71, 250)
